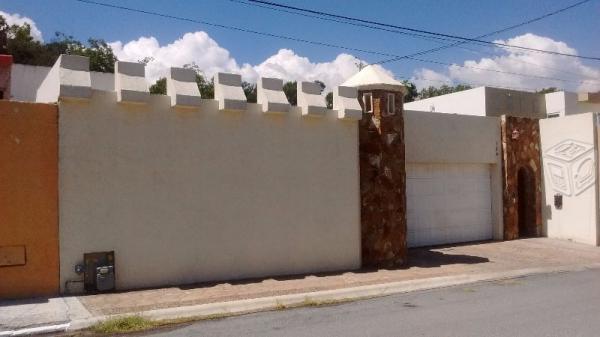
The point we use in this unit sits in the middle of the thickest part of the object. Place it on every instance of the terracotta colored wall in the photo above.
(28, 199)
(521, 151)
(383, 184)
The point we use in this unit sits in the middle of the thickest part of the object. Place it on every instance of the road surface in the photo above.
(564, 304)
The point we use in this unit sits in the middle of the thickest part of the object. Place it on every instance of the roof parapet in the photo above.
(310, 100)
(229, 92)
(68, 78)
(269, 93)
(182, 88)
(130, 82)
(345, 101)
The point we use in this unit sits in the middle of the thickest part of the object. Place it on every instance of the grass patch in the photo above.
(124, 324)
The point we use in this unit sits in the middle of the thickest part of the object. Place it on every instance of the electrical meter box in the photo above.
(99, 271)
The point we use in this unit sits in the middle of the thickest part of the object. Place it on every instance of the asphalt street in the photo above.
(563, 304)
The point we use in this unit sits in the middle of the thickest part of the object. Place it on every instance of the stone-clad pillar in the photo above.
(382, 181)
(521, 153)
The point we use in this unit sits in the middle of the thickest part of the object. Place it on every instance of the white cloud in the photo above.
(17, 19)
(424, 77)
(524, 62)
(201, 49)
(196, 48)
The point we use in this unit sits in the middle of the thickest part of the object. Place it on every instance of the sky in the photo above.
(135, 36)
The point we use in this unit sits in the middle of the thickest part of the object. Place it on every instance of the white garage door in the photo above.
(448, 203)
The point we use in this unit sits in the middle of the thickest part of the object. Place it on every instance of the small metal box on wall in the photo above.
(99, 271)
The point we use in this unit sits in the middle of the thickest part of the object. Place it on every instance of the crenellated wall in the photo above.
(185, 189)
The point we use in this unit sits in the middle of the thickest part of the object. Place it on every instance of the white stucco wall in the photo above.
(569, 157)
(484, 101)
(565, 103)
(185, 196)
(26, 79)
(437, 138)
(467, 102)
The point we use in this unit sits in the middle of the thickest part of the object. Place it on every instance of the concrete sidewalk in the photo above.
(429, 268)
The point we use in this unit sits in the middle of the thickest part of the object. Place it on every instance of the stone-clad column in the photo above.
(382, 182)
(521, 151)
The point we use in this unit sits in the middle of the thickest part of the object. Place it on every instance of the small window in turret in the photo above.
(391, 105)
(368, 102)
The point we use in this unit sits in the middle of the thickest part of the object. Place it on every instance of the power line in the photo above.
(492, 33)
(456, 37)
(502, 72)
(415, 35)
(239, 29)
(437, 39)
(245, 30)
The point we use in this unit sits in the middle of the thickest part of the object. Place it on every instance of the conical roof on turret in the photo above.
(373, 77)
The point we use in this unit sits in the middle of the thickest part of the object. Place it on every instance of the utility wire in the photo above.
(456, 37)
(502, 72)
(249, 30)
(491, 33)
(258, 3)
(396, 31)
(239, 29)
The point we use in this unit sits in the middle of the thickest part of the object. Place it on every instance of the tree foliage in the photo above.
(411, 91)
(290, 90)
(443, 90)
(547, 90)
(250, 91)
(329, 100)
(160, 87)
(17, 41)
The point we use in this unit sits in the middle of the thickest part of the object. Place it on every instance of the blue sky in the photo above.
(577, 28)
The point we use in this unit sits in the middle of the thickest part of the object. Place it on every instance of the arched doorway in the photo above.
(526, 202)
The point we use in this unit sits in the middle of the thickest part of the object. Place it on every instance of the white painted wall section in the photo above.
(345, 102)
(569, 157)
(182, 88)
(130, 82)
(68, 78)
(229, 92)
(467, 102)
(310, 100)
(269, 94)
(191, 195)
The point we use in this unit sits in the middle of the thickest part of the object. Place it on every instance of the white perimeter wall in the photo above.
(569, 156)
(185, 196)
(25, 81)
(467, 102)
(436, 138)
(566, 103)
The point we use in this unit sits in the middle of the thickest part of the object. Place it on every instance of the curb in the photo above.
(36, 330)
(246, 306)
(328, 296)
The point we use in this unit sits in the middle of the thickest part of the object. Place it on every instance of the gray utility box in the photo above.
(99, 271)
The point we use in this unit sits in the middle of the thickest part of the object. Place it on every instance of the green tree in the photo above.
(250, 91)
(17, 41)
(290, 89)
(443, 90)
(160, 87)
(329, 100)
(411, 91)
(206, 88)
(547, 90)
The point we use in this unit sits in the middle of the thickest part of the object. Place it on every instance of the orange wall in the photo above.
(28, 199)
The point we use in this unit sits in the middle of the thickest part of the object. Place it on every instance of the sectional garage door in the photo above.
(448, 203)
